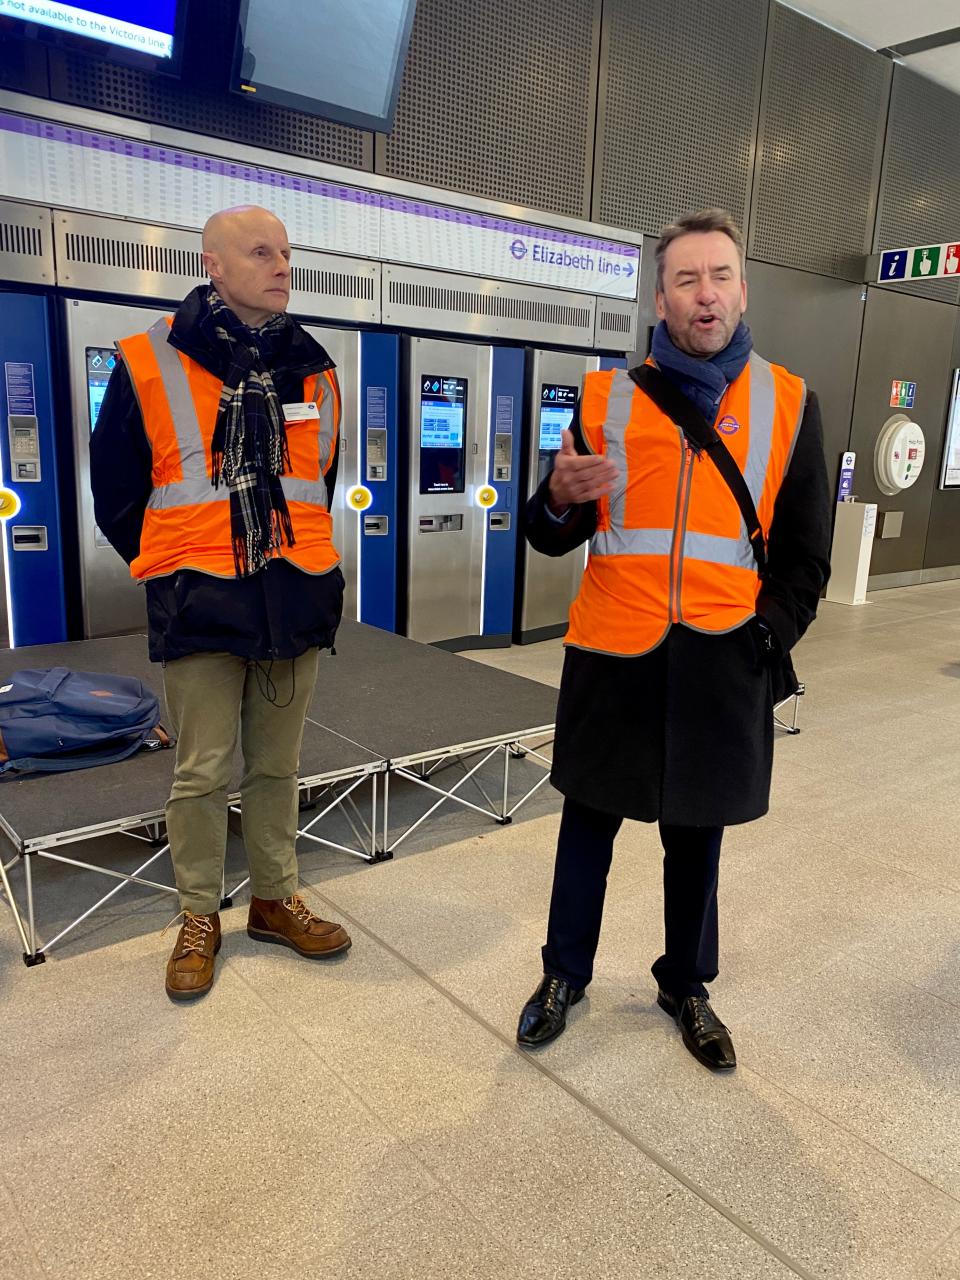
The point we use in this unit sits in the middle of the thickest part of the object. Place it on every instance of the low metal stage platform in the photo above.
(384, 706)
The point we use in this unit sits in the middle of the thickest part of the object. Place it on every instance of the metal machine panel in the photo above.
(617, 325)
(112, 602)
(448, 389)
(343, 348)
(137, 259)
(26, 244)
(416, 298)
(548, 584)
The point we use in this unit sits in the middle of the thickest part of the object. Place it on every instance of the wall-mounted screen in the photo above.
(443, 421)
(342, 59)
(147, 27)
(101, 362)
(950, 471)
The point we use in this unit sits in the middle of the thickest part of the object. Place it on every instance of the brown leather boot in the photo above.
(190, 968)
(291, 923)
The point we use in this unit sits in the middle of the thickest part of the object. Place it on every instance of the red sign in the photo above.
(951, 261)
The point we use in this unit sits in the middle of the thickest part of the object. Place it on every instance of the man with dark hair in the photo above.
(699, 481)
(212, 467)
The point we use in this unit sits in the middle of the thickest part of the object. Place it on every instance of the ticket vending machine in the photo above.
(367, 370)
(547, 585)
(463, 412)
(112, 602)
(29, 502)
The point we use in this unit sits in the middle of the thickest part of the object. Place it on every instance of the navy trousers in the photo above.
(691, 868)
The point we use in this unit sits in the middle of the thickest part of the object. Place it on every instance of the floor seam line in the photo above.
(661, 1162)
(435, 1175)
(864, 1142)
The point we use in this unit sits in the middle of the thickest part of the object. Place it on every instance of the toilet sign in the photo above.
(921, 262)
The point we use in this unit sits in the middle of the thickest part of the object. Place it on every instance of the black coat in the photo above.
(684, 733)
(279, 612)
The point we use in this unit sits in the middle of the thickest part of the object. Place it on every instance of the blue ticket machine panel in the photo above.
(365, 495)
(379, 464)
(32, 551)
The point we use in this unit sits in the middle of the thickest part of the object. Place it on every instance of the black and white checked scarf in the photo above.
(250, 450)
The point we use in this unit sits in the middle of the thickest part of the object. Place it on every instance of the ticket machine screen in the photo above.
(557, 403)
(443, 413)
(101, 362)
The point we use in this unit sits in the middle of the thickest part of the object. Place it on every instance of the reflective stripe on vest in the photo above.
(196, 487)
(670, 544)
(187, 523)
(618, 541)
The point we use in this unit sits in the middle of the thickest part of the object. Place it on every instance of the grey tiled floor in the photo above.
(372, 1118)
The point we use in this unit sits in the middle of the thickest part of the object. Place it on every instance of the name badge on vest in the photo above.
(299, 412)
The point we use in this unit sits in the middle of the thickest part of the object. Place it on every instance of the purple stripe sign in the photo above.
(387, 227)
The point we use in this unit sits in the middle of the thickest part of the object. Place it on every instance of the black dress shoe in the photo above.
(544, 1015)
(703, 1033)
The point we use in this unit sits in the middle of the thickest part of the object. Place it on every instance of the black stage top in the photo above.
(37, 807)
(401, 698)
(381, 698)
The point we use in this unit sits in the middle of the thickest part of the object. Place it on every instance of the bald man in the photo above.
(212, 465)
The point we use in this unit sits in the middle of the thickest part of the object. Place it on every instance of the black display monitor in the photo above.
(145, 32)
(342, 59)
(557, 403)
(101, 362)
(443, 423)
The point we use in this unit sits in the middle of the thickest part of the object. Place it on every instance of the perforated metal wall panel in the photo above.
(920, 186)
(128, 91)
(497, 100)
(26, 244)
(822, 119)
(112, 255)
(679, 96)
(416, 298)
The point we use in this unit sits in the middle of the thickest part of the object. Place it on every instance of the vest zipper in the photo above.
(680, 529)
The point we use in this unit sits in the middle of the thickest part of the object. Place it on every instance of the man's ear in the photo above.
(661, 313)
(211, 265)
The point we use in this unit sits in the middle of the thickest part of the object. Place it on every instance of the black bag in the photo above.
(704, 436)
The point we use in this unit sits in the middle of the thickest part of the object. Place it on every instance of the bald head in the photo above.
(246, 254)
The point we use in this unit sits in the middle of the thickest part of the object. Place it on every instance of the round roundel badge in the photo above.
(728, 425)
(9, 504)
(486, 496)
(359, 497)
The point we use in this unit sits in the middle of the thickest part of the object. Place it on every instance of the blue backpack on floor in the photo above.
(55, 720)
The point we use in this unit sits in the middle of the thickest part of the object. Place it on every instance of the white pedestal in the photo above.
(853, 536)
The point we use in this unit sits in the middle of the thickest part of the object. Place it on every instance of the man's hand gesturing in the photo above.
(577, 478)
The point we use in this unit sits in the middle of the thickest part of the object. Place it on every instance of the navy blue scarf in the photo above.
(703, 381)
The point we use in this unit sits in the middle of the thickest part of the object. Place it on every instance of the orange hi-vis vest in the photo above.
(670, 545)
(187, 521)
